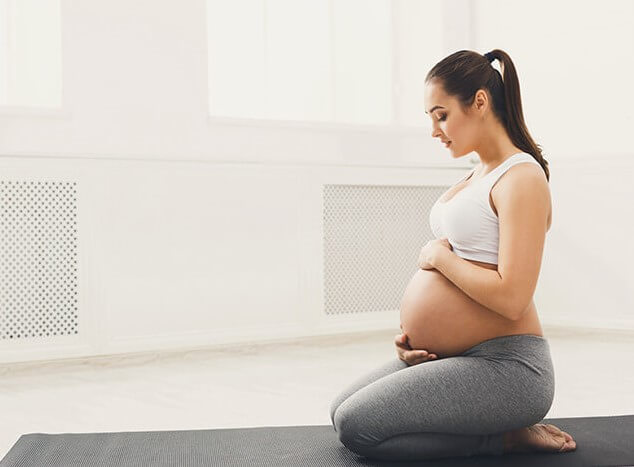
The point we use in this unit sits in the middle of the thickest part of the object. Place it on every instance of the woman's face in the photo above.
(449, 122)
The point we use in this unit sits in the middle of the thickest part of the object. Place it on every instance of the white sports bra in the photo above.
(467, 219)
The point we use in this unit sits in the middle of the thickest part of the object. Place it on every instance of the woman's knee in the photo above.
(348, 433)
(352, 428)
(333, 410)
(336, 403)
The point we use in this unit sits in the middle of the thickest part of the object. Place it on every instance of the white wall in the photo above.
(237, 202)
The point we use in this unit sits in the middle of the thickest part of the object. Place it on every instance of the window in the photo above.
(30, 53)
(306, 60)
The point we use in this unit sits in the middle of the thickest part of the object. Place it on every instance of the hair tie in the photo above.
(489, 56)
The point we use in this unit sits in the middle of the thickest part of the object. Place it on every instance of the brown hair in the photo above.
(464, 72)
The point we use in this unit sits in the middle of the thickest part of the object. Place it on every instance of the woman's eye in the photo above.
(442, 118)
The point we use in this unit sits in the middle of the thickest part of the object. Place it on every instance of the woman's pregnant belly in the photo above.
(439, 317)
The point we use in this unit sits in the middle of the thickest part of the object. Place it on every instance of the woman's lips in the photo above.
(447, 144)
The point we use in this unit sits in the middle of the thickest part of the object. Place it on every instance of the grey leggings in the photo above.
(455, 406)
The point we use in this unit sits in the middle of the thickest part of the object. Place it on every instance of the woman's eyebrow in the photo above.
(434, 108)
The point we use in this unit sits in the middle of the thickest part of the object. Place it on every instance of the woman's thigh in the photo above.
(459, 395)
(387, 368)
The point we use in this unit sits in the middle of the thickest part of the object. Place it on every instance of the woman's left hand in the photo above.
(430, 251)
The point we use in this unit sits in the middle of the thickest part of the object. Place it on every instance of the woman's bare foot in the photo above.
(539, 437)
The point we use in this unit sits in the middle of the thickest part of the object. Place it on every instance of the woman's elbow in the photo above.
(518, 311)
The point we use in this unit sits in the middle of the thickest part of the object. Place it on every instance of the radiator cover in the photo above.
(372, 238)
(38, 259)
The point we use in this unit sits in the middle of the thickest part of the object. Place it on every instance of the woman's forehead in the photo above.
(434, 97)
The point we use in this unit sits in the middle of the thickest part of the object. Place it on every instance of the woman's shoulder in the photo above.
(524, 180)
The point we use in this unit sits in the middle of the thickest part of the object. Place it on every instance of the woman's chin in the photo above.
(457, 155)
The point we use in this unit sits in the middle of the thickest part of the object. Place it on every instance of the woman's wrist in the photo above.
(439, 257)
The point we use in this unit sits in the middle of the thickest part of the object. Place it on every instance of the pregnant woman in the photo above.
(474, 373)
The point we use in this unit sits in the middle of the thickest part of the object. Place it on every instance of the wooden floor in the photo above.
(286, 383)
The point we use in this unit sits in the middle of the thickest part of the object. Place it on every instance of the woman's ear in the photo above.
(481, 99)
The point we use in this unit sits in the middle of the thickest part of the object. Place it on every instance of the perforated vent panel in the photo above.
(372, 238)
(38, 259)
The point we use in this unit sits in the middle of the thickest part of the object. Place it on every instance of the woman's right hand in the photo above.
(409, 355)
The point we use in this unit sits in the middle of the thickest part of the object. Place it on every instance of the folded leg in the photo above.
(457, 406)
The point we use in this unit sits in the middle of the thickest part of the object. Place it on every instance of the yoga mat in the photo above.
(601, 441)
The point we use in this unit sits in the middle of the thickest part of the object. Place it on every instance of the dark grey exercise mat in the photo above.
(601, 441)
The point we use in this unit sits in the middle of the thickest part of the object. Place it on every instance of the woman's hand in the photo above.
(409, 355)
(430, 250)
